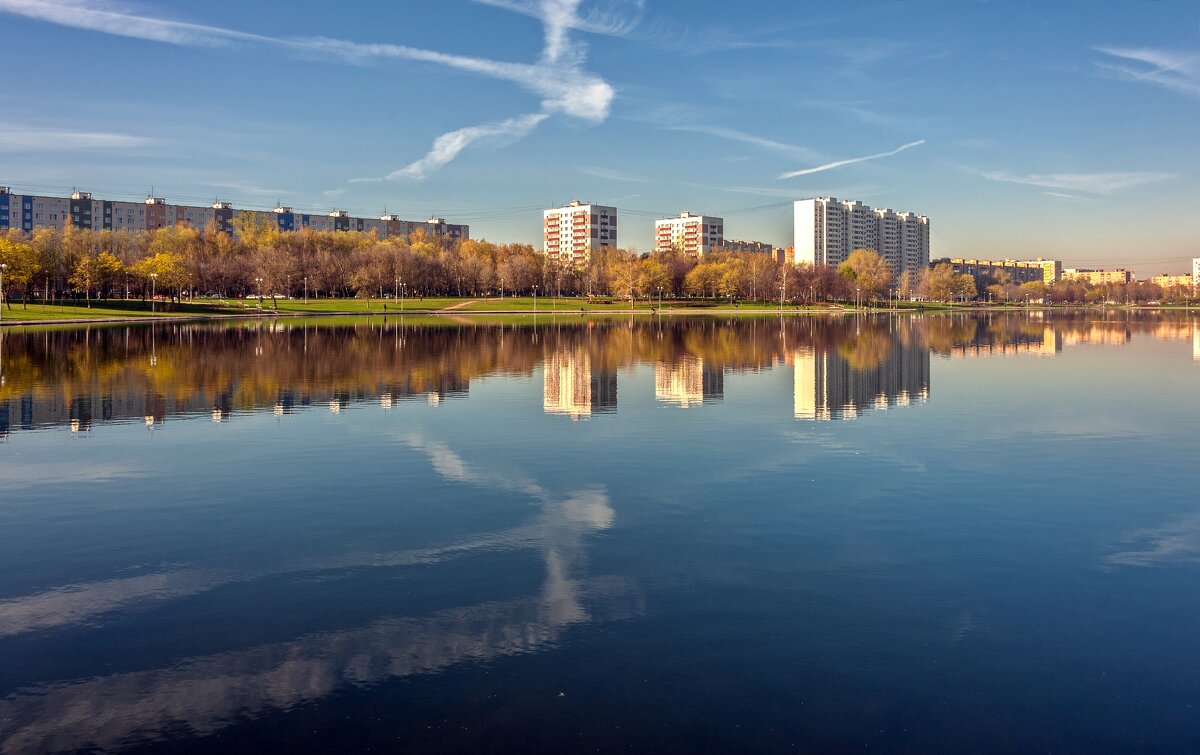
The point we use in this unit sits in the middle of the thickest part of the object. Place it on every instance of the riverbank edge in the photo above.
(649, 311)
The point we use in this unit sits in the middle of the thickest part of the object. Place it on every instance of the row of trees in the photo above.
(259, 260)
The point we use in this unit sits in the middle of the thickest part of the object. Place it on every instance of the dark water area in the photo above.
(915, 534)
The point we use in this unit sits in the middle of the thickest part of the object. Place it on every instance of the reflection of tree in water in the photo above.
(232, 367)
(867, 349)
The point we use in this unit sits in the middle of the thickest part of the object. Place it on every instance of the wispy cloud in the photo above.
(558, 77)
(18, 138)
(448, 146)
(851, 161)
(1088, 183)
(112, 18)
(1073, 197)
(790, 150)
(249, 189)
(1179, 72)
(614, 175)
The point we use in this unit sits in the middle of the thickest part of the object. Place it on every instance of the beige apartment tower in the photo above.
(570, 234)
(693, 235)
(827, 230)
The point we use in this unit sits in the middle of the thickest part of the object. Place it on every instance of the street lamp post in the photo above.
(535, 300)
(402, 292)
(260, 294)
(397, 294)
(3, 267)
(306, 289)
(781, 288)
(858, 298)
(153, 291)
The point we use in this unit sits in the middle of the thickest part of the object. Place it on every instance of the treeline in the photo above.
(259, 260)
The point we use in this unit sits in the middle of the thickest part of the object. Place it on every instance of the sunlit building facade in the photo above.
(827, 230)
(987, 272)
(691, 235)
(1120, 276)
(31, 213)
(572, 233)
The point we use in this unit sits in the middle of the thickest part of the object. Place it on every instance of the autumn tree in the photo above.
(868, 271)
(940, 282)
(21, 265)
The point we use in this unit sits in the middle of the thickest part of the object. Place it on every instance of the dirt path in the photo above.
(462, 304)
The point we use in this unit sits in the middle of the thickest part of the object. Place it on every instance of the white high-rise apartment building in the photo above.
(1196, 272)
(570, 234)
(694, 235)
(827, 230)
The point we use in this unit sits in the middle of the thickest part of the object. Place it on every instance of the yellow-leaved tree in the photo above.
(867, 271)
(21, 265)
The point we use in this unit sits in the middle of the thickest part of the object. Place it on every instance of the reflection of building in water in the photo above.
(1042, 341)
(1173, 331)
(574, 388)
(832, 385)
(1104, 334)
(688, 382)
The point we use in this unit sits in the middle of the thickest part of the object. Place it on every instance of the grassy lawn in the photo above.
(105, 310)
(441, 305)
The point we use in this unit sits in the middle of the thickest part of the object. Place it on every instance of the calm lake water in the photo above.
(925, 534)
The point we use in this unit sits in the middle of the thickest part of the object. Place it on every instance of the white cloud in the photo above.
(448, 146)
(1088, 183)
(851, 161)
(614, 175)
(558, 78)
(114, 18)
(250, 189)
(800, 153)
(17, 138)
(1178, 72)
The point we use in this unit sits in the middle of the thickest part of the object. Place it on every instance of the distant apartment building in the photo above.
(1119, 276)
(1174, 281)
(692, 235)
(570, 234)
(31, 213)
(1051, 270)
(1196, 272)
(987, 272)
(754, 247)
(827, 230)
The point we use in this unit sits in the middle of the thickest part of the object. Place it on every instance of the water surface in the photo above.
(925, 533)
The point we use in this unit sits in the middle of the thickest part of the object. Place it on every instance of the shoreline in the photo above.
(649, 311)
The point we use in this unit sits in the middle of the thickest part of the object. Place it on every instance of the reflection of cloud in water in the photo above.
(204, 694)
(562, 521)
(16, 475)
(1176, 543)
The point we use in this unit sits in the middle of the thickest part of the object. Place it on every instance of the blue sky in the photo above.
(1022, 129)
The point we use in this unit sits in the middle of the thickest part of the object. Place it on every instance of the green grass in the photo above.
(37, 311)
(520, 306)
